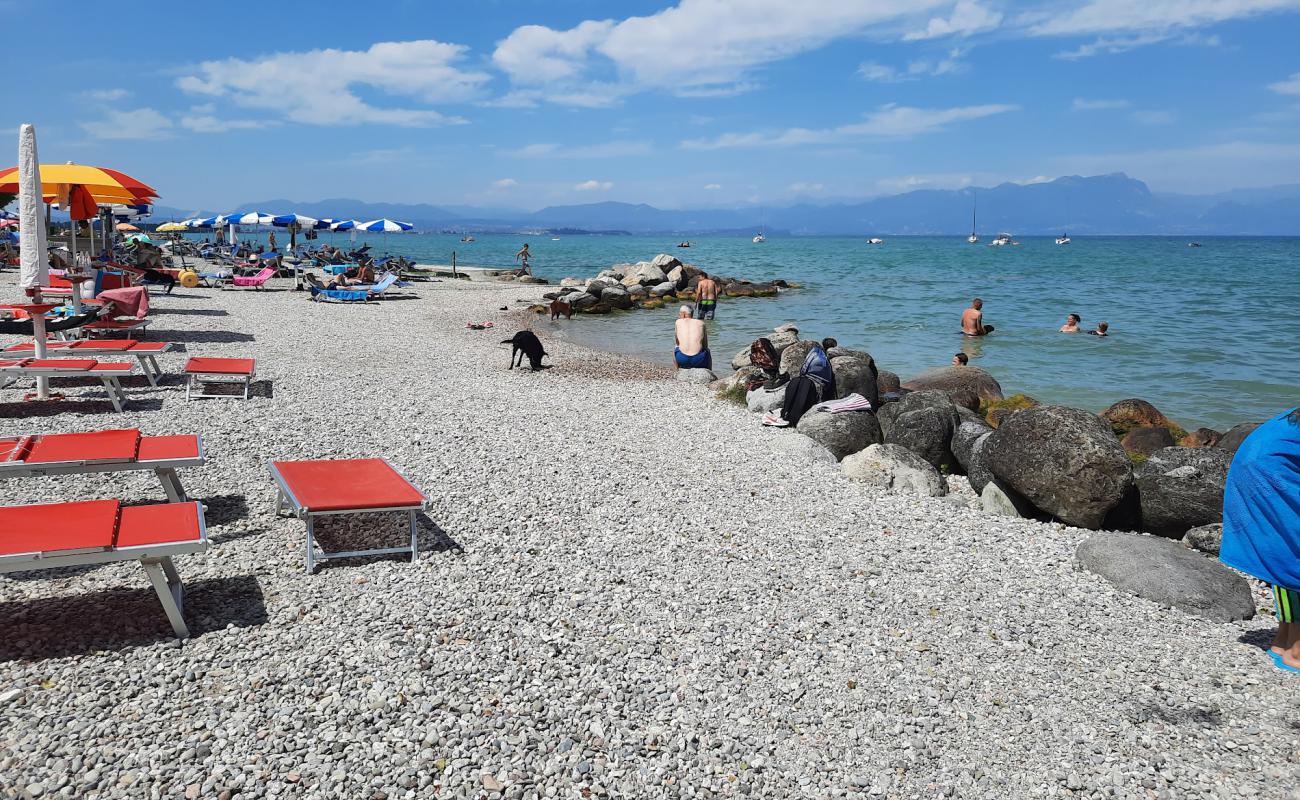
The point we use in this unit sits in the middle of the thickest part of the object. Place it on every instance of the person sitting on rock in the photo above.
(1101, 329)
(1261, 523)
(1071, 324)
(692, 351)
(960, 360)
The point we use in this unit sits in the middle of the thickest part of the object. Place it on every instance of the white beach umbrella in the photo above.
(34, 261)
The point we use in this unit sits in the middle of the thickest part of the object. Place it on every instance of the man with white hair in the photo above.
(692, 351)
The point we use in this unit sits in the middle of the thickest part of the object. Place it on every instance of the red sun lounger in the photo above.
(102, 451)
(219, 370)
(144, 352)
(308, 489)
(107, 372)
(53, 535)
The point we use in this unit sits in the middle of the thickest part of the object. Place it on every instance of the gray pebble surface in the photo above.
(623, 591)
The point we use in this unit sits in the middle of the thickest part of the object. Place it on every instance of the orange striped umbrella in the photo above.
(105, 185)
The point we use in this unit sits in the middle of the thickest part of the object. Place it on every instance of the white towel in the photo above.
(853, 402)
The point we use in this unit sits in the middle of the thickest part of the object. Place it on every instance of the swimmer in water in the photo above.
(1071, 324)
(1101, 329)
(972, 320)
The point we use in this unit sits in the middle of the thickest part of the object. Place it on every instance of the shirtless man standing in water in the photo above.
(706, 297)
(972, 320)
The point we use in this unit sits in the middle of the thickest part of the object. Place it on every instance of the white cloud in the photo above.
(968, 17)
(1154, 117)
(909, 183)
(890, 121)
(698, 47)
(316, 87)
(1123, 44)
(505, 183)
(594, 186)
(1080, 104)
(921, 67)
(619, 149)
(106, 95)
(1114, 16)
(712, 187)
(804, 187)
(139, 123)
(207, 123)
(1289, 86)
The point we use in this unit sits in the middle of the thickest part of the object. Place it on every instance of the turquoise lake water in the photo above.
(1207, 334)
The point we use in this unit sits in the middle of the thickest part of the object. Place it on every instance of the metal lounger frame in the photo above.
(165, 469)
(155, 558)
(111, 386)
(285, 501)
(148, 362)
(247, 380)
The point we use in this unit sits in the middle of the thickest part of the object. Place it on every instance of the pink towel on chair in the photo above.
(129, 302)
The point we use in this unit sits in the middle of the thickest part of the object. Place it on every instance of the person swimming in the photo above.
(972, 320)
(960, 360)
(1102, 327)
(1071, 324)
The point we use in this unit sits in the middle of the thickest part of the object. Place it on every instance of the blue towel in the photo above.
(1261, 504)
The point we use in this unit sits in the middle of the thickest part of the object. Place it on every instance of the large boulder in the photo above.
(1181, 488)
(842, 433)
(662, 289)
(923, 422)
(665, 262)
(740, 377)
(782, 339)
(740, 289)
(978, 473)
(1236, 435)
(855, 374)
(1126, 415)
(616, 296)
(802, 447)
(643, 273)
(1206, 538)
(999, 499)
(970, 428)
(1201, 437)
(1167, 573)
(792, 356)
(696, 375)
(967, 386)
(1146, 441)
(887, 382)
(762, 400)
(581, 300)
(1065, 461)
(894, 468)
(677, 275)
(568, 282)
(741, 359)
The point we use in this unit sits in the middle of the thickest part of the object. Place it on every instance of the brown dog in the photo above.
(559, 307)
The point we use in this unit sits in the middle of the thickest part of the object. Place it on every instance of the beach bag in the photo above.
(800, 395)
(763, 355)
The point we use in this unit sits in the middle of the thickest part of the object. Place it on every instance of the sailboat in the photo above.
(1063, 239)
(760, 238)
(973, 238)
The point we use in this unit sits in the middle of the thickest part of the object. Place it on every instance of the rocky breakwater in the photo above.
(645, 284)
(1129, 470)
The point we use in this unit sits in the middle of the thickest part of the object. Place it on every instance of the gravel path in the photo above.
(623, 591)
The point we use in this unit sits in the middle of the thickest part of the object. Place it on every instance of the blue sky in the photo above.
(527, 103)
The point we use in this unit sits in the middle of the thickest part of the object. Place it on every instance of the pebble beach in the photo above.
(626, 588)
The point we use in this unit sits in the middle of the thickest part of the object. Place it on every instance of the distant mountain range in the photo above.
(1102, 204)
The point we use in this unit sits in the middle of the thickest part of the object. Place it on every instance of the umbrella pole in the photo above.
(38, 347)
(74, 269)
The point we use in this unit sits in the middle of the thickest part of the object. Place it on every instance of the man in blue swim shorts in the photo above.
(692, 351)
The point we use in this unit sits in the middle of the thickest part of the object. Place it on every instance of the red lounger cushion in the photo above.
(112, 366)
(144, 347)
(348, 484)
(166, 448)
(158, 524)
(221, 366)
(104, 345)
(48, 527)
(114, 445)
(61, 363)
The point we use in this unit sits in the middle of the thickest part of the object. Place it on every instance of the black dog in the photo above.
(526, 343)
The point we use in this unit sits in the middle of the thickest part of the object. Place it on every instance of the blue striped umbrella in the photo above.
(385, 225)
(285, 220)
(344, 225)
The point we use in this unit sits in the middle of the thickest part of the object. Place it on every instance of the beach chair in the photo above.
(144, 352)
(107, 373)
(124, 450)
(257, 281)
(51, 535)
(361, 293)
(309, 489)
(125, 327)
(218, 370)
